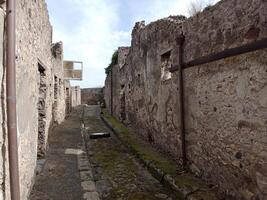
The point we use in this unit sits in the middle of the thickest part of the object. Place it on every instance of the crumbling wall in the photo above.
(58, 71)
(225, 101)
(115, 89)
(34, 44)
(113, 93)
(92, 96)
(3, 133)
(107, 92)
(67, 96)
(75, 96)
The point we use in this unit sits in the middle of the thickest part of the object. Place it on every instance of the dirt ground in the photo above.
(59, 178)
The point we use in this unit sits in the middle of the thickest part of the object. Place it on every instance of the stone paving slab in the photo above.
(60, 179)
(116, 172)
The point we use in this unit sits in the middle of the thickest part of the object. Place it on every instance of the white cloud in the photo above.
(97, 35)
(96, 39)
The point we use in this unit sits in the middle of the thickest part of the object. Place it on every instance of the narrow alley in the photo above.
(133, 100)
(111, 173)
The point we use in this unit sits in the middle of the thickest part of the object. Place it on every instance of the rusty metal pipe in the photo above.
(253, 46)
(11, 100)
(111, 91)
(180, 42)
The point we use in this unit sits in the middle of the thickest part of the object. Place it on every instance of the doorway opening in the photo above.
(68, 101)
(123, 103)
(41, 112)
(55, 98)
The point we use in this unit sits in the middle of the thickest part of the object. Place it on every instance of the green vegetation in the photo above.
(114, 61)
(118, 168)
(140, 148)
(184, 180)
(208, 7)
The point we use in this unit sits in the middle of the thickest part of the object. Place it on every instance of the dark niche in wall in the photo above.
(165, 66)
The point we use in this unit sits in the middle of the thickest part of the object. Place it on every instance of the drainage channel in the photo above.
(99, 135)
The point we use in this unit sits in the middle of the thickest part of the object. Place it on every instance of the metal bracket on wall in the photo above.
(257, 45)
(253, 46)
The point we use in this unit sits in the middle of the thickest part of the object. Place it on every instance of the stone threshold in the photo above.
(183, 183)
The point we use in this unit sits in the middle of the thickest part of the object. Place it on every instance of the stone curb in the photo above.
(86, 175)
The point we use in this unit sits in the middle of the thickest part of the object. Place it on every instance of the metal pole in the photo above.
(11, 100)
(180, 42)
(253, 46)
(111, 91)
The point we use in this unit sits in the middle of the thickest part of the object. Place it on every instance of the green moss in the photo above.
(140, 196)
(114, 61)
(110, 159)
(147, 153)
(116, 164)
(141, 149)
(189, 181)
(206, 195)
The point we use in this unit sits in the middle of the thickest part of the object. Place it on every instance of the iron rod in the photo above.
(111, 91)
(180, 42)
(254, 46)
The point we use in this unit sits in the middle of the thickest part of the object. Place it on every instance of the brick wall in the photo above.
(91, 96)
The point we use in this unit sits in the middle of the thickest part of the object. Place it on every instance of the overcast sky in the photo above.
(92, 29)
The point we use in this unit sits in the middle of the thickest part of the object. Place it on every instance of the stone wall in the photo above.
(40, 97)
(118, 86)
(225, 101)
(68, 106)
(92, 96)
(107, 92)
(35, 55)
(75, 96)
(58, 81)
(3, 133)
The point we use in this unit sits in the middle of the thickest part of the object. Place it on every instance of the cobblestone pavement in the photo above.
(116, 173)
(60, 177)
(106, 170)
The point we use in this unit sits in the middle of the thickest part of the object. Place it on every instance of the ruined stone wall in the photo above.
(41, 91)
(58, 81)
(225, 101)
(91, 96)
(112, 91)
(122, 56)
(118, 84)
(36, 68)
(75, 96)
(3, 133)
(116, 88)
(67, 97)
(107, 92)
